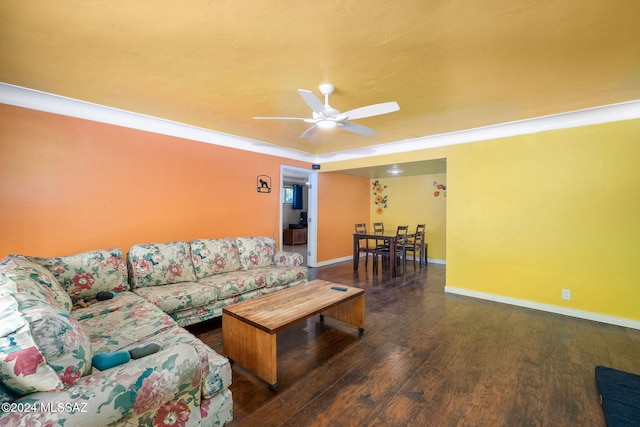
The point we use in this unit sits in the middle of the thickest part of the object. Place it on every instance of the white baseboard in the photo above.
(332, 261)
(619, 321)
(350, 258)
(431, 260)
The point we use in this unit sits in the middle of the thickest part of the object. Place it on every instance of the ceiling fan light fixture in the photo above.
(326, 124)
(325, 116)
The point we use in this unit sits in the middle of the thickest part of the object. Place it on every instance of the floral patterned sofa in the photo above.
(193, 281)
(47, 345)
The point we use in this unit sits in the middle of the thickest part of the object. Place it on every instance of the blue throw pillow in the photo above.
(104, 361)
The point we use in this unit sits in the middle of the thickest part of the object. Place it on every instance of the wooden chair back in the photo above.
(364, 242)
(401, 235)
(420, 229)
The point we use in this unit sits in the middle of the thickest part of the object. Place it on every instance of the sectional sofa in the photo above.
(47, 344)
(193, 281)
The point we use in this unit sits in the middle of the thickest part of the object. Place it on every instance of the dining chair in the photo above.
(364, 245)
(378, 228)
(385, 251)
(414, 245)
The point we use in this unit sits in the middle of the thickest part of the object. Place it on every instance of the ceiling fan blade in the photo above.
(309, 132)
(313, 102)
(279, 118)
(372, 110)
(359, 129)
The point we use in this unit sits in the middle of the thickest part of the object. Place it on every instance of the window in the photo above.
(287, 195)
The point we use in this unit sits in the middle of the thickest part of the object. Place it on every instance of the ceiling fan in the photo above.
(326, 117)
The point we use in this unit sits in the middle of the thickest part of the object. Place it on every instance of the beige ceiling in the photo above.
(450, 64)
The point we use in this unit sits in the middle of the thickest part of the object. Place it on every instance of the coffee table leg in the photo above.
(250, 347)
(351, 312)
(356, 253)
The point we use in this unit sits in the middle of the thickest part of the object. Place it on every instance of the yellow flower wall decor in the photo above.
(378, 198)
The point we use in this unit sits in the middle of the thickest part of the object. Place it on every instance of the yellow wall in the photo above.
(411, 201)
(528, 216)
(531, 215)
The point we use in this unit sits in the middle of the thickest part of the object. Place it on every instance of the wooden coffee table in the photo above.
(249, 328)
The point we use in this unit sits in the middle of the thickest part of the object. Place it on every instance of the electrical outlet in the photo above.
(566, 294)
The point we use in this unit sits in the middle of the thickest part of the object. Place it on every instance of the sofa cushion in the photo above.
(115, 330)
(288, 259)
(278, 276)
(235, 283)
(155, 264)
(214, 256)
(85, 274)
(42, 348)
(179, 296)
(18, 274)
(216, 368)
(99, 308)
(255, 252)
(162, 389)
(190, 316)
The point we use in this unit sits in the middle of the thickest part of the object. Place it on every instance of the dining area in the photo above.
(389, 247)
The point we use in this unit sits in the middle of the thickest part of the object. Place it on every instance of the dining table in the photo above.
(389, 237)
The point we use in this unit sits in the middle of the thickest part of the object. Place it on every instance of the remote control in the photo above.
(339, 288)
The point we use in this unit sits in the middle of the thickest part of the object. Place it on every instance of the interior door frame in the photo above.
(312, 210)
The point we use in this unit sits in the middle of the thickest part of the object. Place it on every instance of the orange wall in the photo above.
(343, 200)
(69, 185)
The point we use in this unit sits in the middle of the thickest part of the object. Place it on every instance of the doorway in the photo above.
(298, 225)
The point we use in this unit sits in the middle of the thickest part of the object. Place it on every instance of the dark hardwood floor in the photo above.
(431, 359)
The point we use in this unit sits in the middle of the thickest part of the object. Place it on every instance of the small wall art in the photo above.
(264, 184)
(440, 189)
(379, 199)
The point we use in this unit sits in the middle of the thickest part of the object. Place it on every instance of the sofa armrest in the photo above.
(287, 259)
(142, 389)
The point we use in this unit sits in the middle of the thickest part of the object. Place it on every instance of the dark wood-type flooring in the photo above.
(431, 359)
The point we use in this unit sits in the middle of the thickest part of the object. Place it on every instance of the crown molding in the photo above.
(591, 116)
(42, 101)
(56, 104)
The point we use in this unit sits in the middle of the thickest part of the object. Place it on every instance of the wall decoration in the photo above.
(440, 188)
(264, 184)
(378, 199)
